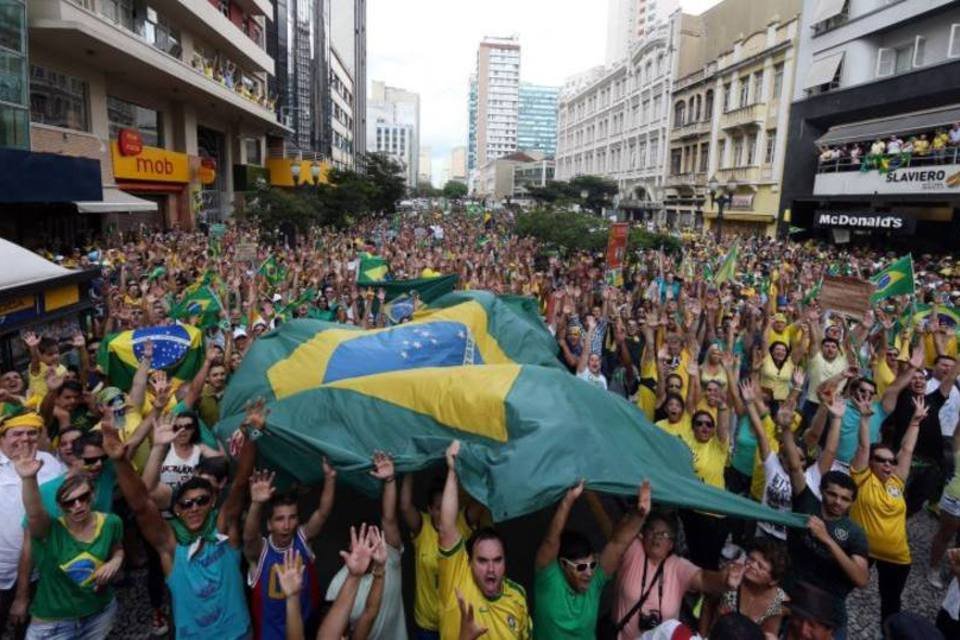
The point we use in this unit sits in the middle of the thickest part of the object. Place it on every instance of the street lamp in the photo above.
(315, 172)
(721, 199)
(295, 170)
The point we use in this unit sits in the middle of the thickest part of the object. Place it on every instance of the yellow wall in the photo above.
(282, 176)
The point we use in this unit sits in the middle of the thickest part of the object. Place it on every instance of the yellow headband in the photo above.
(30, 419)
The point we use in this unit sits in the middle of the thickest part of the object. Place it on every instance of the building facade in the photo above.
(498, 95)
(510, 176)
(537, 118)
(458, 164)
(425, 166)
(472, 125)
(615, 123)
(729, 112)
(628, 21)
(872, 156)
(174, 106)
(393, 126)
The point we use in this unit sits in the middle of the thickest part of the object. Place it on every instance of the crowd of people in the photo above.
(936, 146)
(849, 422)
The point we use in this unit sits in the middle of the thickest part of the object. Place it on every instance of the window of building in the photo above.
(14, 127)
(654, 151)
(953, 50)
(254, 150)
(901, 59)
(678, 113)
(727, 89)
(119, 11)
(642, 155)
(127, 115)
(58, 100)
(704, 157)
(656, 108)
(751, 149)
(12, 27)
(708, 106)
(738, 152)
(646, 112)
(758, 86)
(744, 91)
(771, 146)
(777, 81)
(13, 87)
(676, 157)
(721, 153)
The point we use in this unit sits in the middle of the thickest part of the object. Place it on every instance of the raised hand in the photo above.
(469, 628)
(163, 433)
(261, 486)
(357, 560)
(837, 406)
(112, 445)
(917, 356)
(799, 377)
(574, 492)
(452, 452)
(31, 339)
(644, 499)
(382, 466)
(379, 551)
(256, 414)
(329, 473)
(290, 573)
(748, 390)
(920, 409)
(26, 463)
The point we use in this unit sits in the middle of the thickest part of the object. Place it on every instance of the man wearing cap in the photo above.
(15, 432)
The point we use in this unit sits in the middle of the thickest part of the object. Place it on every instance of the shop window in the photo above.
(14, 127)
(127, 115)
(58, 99)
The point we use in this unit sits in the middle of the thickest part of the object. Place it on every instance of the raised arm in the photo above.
(889, 400)
(798, 480)
(909, 441)
(411, 515)
(27, 465)
(861, 457)
(357, 561)
(196, 385)
(261, 490)
(748, 390)
(319, 517)
(290, 577)
(229, 518)
(383, 470)
(626, 532)
(829, 452)
(550, 547)
(450, 502)
(361, 630)
(138, 388)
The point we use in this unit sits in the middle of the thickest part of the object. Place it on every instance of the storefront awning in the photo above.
(903, 124)
(827, 9)
(822, 71)
(27, 176)
(116, 201)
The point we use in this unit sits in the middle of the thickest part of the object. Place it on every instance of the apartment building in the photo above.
(393, 126)
(498, 95)
(875, 72)
(728, 116)
(537, 118)
(614, 122)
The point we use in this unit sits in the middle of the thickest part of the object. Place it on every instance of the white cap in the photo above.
(277, 297)
(239, 332)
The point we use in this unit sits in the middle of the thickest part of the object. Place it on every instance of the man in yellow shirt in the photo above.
(476, 570)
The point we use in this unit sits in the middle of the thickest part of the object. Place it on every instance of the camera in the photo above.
(647, 621)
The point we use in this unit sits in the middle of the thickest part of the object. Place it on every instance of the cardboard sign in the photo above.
(617, 244)
(845, 295)
(246, 252)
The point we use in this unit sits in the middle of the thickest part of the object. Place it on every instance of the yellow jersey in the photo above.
(37, 384)
(883, 375)
(709, 459)
(681, 428)
(426, 545)
(881, 510)
(505, 617)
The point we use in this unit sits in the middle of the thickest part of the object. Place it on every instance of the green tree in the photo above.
(569, 231)
(599, 191)
(386, 180)
(426, 190)
(554, 192)
(454, 190)
(273, 207)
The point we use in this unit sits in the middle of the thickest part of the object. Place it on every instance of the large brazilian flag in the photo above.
(471, 367)
(177, 349)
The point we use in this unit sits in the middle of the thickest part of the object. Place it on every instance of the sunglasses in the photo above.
(580, 567)
(703, 423)
(190, 503)
(177, 428)
(93, 460)
(70, 503)
(884, 460)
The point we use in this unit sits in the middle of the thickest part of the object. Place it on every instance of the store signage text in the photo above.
(903, 180)
(927, 178)
(865, 220)
(129, 142)
(151, 164)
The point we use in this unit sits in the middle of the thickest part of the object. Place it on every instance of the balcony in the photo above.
(206, 21)
(687, 178)
(74, 30)
(690, 129)
(750, 174)
(752, 115)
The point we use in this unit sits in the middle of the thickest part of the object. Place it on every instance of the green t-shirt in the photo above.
(66, 565)
(562, 613)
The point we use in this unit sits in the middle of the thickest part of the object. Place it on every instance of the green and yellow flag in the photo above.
(273, 271)
(895, 280)
(472, 367)
(728, 268)
(372, 269)
(177, 349)
(202, 303)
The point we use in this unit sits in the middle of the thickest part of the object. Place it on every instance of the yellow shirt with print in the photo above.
(758, 480)
(37, 384)
(681, 428)
(505, 617)
(426, 544)
(880, 508)
(709, 459)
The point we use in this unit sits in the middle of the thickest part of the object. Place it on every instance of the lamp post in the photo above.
(315, 172)
(583, 198)
(295, 170)
(721, 198)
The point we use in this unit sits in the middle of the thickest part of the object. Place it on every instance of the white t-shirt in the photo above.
(777, 494)
(951, 602)
(599, 379)
(950, 411)
(390, 623)
(11, 504)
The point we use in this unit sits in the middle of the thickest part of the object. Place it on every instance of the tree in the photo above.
(386, 180)
(273, 207)
(599, 191)
(426, 190)
(554, 192)
(454, 190)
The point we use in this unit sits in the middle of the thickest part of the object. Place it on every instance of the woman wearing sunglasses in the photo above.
(881, 508)
(76, 555)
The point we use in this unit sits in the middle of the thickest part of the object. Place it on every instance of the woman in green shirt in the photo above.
(76, 555)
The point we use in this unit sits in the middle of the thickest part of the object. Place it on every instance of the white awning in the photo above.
(827, 9)
(116, 201)
(22, 267)
(823, 71)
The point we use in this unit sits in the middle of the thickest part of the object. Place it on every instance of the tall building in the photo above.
(537, 118)
(320, 49)
(729, 113)
(628, 21)
(425, 166)
(472, 125)
(614, 122)
(458, 165)
(393, 126)
(870, 71)
(498, 95)
(169, 102)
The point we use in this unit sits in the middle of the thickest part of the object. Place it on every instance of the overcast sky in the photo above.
(429, 46)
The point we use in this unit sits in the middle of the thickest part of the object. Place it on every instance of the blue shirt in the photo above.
(206, 590)
(850, 430)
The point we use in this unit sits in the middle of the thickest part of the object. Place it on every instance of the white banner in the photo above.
(927, 179)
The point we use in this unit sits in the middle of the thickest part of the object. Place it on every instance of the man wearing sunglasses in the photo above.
(570, 577)
(201, 546)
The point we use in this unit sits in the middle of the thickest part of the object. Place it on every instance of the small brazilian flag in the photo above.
(177, 349)
(272, 271)
(473, 367)
(728, 268)
(202, 303)
(895, 280)
(372, 268)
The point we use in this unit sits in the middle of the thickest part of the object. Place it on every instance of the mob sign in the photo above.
(865, 221)
(151, 164)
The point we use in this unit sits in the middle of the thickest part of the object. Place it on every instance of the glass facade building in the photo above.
(14, 93)
(537, 118)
